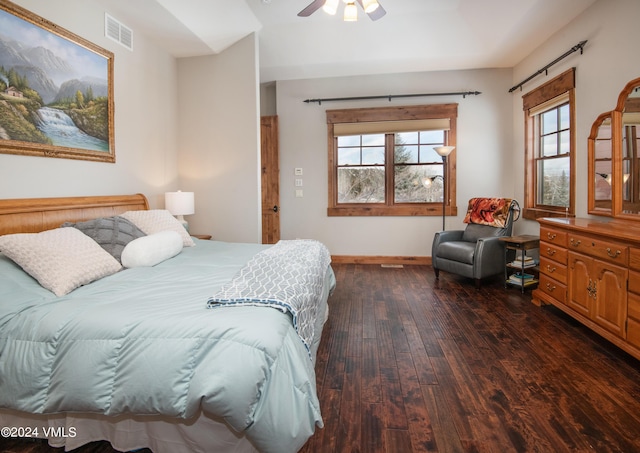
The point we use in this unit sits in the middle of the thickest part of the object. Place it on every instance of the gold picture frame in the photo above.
(56, 90)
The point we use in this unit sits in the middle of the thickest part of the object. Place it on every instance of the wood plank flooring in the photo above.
(412, 364)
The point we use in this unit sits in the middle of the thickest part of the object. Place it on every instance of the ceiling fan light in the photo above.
(331, 6)
(370, 5)
(350, 12)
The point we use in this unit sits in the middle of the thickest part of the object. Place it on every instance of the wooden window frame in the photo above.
(564, 84)
(381, 114)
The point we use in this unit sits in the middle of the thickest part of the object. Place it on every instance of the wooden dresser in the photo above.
(590, 269)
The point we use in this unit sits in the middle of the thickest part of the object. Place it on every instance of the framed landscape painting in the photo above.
(56, 90)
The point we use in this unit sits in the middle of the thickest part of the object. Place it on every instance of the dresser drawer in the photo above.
(553, 236)
(633, 320)
(634, 259)
(633, 306)
(553, 251)
(553, 269)
(598, 248)
(553, 288)
(634, 282)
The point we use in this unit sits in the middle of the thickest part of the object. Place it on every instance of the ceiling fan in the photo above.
(373, 9)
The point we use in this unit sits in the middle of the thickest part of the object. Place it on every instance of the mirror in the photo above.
(614, 165)
(630, 141)
(600, 166)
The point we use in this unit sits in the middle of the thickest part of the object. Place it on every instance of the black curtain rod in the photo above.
(575, 48)
(390, 96)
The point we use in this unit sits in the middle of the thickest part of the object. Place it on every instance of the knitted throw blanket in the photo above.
(288, 276)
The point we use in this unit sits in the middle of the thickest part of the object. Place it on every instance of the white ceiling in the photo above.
(415, 35)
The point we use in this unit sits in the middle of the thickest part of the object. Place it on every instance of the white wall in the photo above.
(609, 61)
(145, 83)
(484, 141)
(212, 131)
(219, 141)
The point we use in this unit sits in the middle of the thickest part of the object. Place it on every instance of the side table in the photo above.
(514, 271)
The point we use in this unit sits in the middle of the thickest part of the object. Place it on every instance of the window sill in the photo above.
(359, 210)
(536, 213)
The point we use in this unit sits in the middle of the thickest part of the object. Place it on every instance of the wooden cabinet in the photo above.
(590, 269)
(633, 298)
(598, 290)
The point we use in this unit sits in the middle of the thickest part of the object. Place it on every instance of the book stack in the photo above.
(523, 261)
(520, 278)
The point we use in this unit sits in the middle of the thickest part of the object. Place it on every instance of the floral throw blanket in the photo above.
(288, 276)
(489, 211)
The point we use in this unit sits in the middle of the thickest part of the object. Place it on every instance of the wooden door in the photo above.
(610, 305)
(270, 179)
(580, 284)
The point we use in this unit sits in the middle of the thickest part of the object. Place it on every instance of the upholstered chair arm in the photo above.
(449, 235)
(489, 257)
(445, 236)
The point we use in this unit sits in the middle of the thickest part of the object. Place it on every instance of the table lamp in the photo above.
(180, 204)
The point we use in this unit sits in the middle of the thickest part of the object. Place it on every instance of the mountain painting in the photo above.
(55, 90)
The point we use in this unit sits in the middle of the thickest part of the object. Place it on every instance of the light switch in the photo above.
(298, 182)
(299, 193)
(298, 171)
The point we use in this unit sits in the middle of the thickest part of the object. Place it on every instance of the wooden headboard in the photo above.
(32, 215)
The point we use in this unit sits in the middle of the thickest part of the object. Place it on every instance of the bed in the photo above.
(159, 356)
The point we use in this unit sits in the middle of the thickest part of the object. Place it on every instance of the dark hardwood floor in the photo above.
(411, 364)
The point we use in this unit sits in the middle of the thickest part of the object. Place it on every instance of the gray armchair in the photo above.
(475, 252)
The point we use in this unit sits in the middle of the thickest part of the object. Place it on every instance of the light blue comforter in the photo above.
(142, 342)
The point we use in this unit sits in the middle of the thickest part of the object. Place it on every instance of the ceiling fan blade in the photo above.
(314, 6)
(375, 14)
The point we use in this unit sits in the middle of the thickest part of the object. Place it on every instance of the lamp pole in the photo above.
(444, 151)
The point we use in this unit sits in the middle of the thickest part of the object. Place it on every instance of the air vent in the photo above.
(116, 30)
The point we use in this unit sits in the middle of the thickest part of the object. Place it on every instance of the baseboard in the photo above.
(366, 259)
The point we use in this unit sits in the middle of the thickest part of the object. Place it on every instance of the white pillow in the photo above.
(152, 249)
(156, 220)
(61, 259)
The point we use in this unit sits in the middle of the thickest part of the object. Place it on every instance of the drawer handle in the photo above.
(574, 242)
(550, 269)
(551, 287)
(592, 289)
(551, 236)
(612, 254)
(550, 251)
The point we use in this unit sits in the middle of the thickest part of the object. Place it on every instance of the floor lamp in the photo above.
(444, 151)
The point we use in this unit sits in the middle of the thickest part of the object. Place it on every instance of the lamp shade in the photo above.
(370, 5)
(331, 6)
(179, 203)
(350, 12)
(444, 151)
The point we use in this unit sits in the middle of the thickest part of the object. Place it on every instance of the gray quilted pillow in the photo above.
(111, 233)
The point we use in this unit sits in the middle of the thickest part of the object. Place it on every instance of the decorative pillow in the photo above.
(111, 233)
(152, 249)
(157, 220)
(60, 260)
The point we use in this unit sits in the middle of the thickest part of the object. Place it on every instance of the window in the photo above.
(382, 160)
(550, 162)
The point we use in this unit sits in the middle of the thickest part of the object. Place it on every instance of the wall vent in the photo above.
(117, 31)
